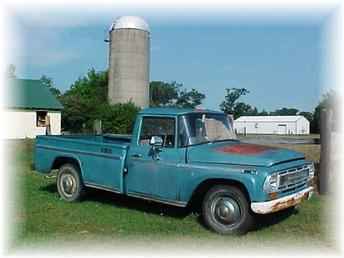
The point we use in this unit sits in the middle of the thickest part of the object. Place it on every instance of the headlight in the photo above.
(271, 183)
(311, 170)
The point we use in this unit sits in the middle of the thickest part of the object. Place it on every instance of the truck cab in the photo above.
(182, 157)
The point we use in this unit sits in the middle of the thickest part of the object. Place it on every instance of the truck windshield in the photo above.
(203, 128)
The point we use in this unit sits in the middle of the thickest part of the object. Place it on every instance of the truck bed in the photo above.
(100, 157)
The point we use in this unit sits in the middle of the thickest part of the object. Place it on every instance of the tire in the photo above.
(69, 183)
(226, 210)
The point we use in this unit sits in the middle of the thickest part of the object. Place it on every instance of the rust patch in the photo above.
(245, 149)
(273, 196)
(286, 204)
(283, 203)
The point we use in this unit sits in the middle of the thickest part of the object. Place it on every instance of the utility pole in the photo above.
(325, 141)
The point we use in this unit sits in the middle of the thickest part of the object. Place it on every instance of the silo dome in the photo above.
(130, 22)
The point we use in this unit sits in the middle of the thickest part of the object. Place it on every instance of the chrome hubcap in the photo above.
(225, 210)
(68, 184)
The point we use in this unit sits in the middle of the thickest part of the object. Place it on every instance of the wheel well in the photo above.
(199, 193)
(58, 162)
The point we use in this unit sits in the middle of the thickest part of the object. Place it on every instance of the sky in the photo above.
(280, 61)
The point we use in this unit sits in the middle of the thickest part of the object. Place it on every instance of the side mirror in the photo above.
(156, 141)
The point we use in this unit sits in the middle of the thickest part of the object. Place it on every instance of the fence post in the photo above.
(97, 127)
(325, 140)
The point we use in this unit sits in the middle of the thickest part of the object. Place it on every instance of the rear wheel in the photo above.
(69, 183)
(226, 210)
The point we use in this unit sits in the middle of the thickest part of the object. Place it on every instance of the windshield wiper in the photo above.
(225, 140)
(199, 143)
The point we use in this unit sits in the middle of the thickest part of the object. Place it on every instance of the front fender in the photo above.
(199, 173)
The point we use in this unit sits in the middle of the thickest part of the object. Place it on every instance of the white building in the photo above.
(284, 125)
(30, 110)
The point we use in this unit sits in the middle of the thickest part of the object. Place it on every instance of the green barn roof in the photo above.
(30, 94)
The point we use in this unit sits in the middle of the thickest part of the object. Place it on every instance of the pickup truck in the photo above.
(181, 157)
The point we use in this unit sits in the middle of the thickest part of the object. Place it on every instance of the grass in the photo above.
(41, 216)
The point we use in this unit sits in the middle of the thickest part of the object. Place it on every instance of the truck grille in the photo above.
(293, 179)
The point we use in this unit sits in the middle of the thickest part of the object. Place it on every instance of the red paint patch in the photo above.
(245, 149)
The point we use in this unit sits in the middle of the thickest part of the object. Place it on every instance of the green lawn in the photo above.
(42, 217)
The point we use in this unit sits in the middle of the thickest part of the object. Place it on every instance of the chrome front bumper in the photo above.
(282, 203)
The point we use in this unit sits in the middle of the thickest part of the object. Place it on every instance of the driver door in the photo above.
(155, 175)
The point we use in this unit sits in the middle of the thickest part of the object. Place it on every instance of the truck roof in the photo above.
(175, 111)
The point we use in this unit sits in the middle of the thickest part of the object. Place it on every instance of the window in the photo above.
(198, 128)
(41, 117)
(157, 126)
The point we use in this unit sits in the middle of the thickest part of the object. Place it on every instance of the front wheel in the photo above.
(226, 210)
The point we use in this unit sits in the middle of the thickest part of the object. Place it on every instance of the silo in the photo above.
(129, 55)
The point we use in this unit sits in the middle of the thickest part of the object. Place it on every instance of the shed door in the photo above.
(282, 129)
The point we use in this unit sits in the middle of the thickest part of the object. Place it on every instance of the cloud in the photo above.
(227, 68)
(86, 14)
(57, 18)
(49, 57)
(43, 47)
(155, 48)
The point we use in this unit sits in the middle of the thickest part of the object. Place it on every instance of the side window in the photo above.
(157, 126)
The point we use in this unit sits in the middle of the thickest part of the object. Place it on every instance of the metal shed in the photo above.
(283, 125)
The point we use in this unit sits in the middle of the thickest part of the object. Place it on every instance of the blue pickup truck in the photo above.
(181, 157)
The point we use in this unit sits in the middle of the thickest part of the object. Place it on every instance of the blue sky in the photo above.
(279, 62)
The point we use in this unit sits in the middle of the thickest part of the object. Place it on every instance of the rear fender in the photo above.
(67, 157)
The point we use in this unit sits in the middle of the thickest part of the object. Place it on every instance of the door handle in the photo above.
(136, 155)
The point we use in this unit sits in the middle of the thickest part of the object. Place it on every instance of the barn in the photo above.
(284, 125)
(30, 110)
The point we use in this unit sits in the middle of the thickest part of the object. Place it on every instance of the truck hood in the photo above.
(238, 153)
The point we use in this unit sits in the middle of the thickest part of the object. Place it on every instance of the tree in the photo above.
(232, 95)
(254, 112)
(118, 118)
(243, 109)
(163, 94)
(92, 87)
(48, 82)
(329, 100)
(263, 113)
(76, 113)
(189, 99)
(86, 101)
(307, 115)
(285, 112)
(80, 102)
(11, 71)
